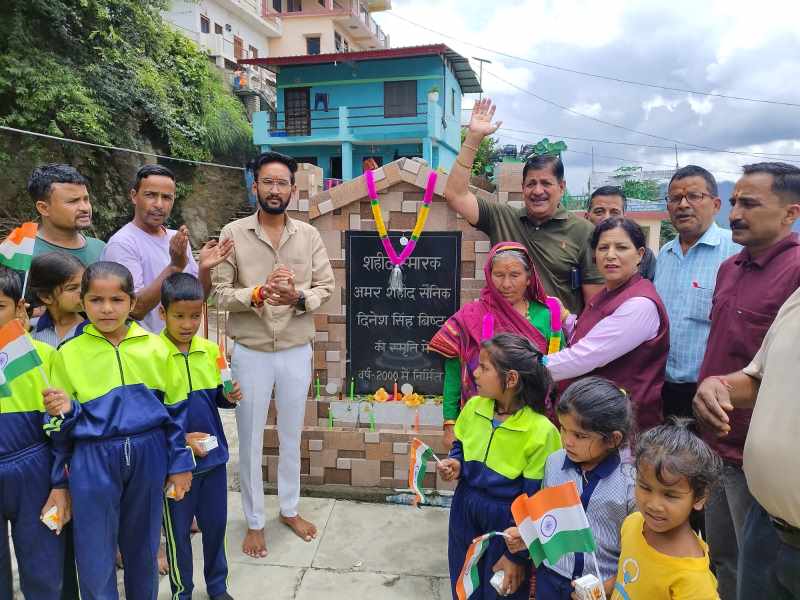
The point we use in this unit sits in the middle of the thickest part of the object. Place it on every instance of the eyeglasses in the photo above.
(691, 197)
(281, 184)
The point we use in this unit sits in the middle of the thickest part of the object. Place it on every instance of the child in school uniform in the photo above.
(662, 558)
(502, 442)
(32, 472)
(54, 282)
(197, 360)
(117, 397)
(595, 419)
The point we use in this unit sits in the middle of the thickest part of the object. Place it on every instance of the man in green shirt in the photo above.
(557, 239)
(62, 200)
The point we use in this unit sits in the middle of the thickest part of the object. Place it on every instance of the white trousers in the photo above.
(289, 373)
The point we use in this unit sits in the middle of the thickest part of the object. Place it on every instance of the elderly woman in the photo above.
(512, 301)
(623, 333)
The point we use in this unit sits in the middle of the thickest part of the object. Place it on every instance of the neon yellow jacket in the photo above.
(122, 390)
(506, 460)
(22, 412)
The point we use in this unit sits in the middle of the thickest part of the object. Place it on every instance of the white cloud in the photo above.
(658, 102)
(592, 109)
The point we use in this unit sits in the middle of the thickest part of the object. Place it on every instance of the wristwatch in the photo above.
(301, 301)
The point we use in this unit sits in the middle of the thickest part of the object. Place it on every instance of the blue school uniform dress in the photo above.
(208, 498)
(126, 427)
(607, 496)
(29, 468)
(499, 461)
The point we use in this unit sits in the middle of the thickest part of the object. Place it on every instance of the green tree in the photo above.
(112, 72)
(484, 157)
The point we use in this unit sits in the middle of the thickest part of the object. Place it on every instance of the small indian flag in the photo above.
(469, 579)
(419, 453)
(224, 371)
(16, 251)
(553, 523)
(17, 354)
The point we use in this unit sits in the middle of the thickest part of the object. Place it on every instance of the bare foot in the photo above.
(163, 565)
(254, 543)
(304, 529)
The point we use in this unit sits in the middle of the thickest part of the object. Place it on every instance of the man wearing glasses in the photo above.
(277, 275)
(685, 279)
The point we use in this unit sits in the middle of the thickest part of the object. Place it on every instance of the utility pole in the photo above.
(480, 74)
(676, 157)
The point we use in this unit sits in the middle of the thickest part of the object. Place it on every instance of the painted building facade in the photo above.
(349, 111)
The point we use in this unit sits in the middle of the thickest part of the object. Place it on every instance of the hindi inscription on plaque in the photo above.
(388, 331)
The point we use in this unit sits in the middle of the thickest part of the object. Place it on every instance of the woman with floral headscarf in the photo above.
(512, 301)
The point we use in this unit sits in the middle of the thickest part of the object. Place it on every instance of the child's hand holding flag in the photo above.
(56, 402)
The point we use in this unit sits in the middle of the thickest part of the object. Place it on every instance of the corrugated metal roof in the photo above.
(467, 79)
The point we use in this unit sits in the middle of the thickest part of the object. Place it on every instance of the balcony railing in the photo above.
(343, 121)
(348, 123)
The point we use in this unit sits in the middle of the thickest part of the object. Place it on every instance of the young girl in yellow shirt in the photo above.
(661, 557)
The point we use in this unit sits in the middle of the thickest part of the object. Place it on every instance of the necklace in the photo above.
(396, 278)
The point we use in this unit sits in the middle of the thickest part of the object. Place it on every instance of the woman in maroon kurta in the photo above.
(623, 333)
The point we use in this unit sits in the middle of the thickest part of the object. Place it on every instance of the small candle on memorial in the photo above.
(352, 388)
(319, 395)
(395, 395)
(372, 418)
(416, 420)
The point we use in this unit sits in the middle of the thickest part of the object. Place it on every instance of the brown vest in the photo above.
(640, 372)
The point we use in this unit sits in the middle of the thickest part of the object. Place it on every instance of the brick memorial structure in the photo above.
(342, 442)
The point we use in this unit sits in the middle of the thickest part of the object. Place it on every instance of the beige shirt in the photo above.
(271, 328)
(771, 451)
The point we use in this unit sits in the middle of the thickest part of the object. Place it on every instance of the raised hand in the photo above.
(481, 120)
(214, 252)
(179, 248)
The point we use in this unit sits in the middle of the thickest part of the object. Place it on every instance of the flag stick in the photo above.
(44, 375)
(597, 571)
(436, 458)
(25, 283)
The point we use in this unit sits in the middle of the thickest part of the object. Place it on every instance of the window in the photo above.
(276, 5)
(400, 98)
(321, 3)
(253, 51)
(312, 45)
(294, 5)
(217, 28)
(205, 24)
(238, 48)
(337, 40)
(452, 101)
(346, 46)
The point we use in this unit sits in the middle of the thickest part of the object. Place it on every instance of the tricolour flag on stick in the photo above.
(224, 371)
(16, 251)
(553, 523)
(17, 354)
(419, 453)
(469, 579)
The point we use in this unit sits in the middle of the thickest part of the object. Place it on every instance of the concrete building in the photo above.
(348, 110)
(326, 26)
(231, 30)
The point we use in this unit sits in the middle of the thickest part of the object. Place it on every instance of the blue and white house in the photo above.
(348, 111)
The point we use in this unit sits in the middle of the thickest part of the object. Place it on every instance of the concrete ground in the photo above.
(375, 551)
(381, 552)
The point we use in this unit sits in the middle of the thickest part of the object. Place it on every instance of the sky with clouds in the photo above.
(731, 47)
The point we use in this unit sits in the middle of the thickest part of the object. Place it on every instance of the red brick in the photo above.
(365, 473)
(337, 476)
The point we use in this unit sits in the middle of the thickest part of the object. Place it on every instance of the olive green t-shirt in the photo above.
(88, 254)
(558, 246)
